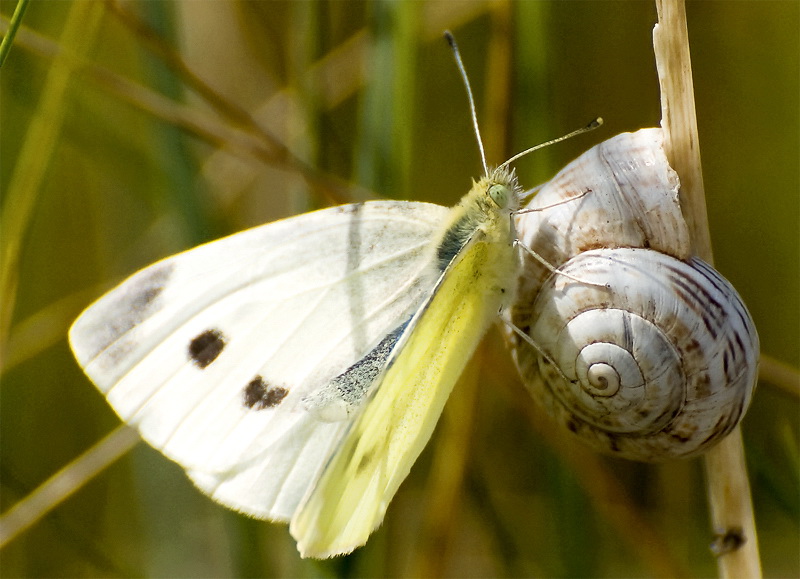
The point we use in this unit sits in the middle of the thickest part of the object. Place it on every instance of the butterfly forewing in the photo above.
(215, 353)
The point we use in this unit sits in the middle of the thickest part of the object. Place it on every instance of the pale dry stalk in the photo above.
(726, 472)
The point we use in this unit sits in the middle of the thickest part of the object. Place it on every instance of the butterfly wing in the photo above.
(220, 355)
(350, 499)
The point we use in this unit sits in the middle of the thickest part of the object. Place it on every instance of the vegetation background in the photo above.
(134, 130)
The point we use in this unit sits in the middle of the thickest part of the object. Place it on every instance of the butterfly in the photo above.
(296, 370)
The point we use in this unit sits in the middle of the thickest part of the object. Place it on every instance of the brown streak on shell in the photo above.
(612, 218)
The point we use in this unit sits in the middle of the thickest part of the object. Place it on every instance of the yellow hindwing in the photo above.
(351, 497)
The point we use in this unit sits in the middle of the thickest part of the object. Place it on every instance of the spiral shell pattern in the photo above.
(645, 352)
(638, 373)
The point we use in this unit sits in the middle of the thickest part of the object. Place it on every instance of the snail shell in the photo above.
(657, 360)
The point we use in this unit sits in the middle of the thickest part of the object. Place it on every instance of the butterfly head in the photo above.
(503, 188)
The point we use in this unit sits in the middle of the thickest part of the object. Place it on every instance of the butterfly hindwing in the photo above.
(220, 355)
(350, 499)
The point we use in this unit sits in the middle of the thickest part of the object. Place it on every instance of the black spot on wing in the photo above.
(259, 395)
(120, 311)
(206, 347)
(144, 290)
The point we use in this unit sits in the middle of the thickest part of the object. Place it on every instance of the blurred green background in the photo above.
(134, 130)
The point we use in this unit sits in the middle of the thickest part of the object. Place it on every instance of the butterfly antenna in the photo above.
(454, 47)
(590, 127)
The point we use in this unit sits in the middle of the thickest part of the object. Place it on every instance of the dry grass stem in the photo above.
(726, 471)
(198, 123)
(65, 482)
(779, 374)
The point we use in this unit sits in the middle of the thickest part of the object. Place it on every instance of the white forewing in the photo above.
(213, 354)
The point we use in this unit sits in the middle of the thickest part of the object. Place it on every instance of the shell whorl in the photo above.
(654, 355)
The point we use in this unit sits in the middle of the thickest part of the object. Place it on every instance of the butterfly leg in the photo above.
(553, 269)
(535, 190)
(525, 337)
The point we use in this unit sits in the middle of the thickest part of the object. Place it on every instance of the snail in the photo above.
(644, 351)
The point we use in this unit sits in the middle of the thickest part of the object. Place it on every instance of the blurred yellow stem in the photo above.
(782, 375)
(38, 150)
(65, 482)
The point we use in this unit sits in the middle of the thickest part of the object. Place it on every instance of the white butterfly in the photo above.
(250, 360)
(297, 370)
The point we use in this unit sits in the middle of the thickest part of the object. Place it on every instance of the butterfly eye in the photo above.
(499, 194)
